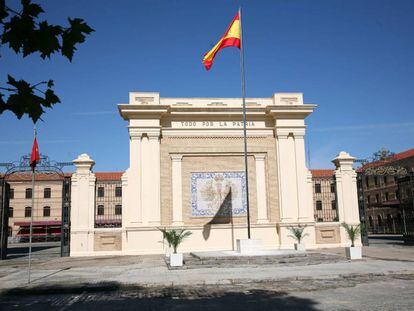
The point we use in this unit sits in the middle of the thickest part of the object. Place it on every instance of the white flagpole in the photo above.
(246, 171)
(31, 214)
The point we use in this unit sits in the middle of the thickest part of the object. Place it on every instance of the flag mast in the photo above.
(31, 211)
(246, 171)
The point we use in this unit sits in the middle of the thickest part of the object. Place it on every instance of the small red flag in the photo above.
(35, 156)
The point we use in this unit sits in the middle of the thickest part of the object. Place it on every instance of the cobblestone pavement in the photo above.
(369, 292)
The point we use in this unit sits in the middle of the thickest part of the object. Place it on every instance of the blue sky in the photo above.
(353, 58)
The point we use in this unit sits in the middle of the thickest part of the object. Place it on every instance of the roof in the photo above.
(396, 157)
(322, 172)
(102, 176)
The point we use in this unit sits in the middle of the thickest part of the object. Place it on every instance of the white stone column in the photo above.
(346, 190)
(262, 217)
(305, 194)
(177, 204)
(150, 178)
(131, 182)
(82, 212)
(288, 196)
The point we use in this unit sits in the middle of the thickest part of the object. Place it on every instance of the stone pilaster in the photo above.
(262, 217)
(82, 211)
(346, 190)
(177, 203)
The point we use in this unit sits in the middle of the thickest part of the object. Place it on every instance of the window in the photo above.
(47, 193)
(46, 211)
(101, 192)
(28, 193)
(11, 193)
(333, 204)
(377, 198)
(318, 205)
(118, 209)
(118, 191)
(407, 192)
(27, 211)
(317, 188)
(387, 196)
(379, 220)
(333, 188)
(101, 210)
(9, 231)
(385, 179)
(11, 212)
(367, 182)
(376, 181)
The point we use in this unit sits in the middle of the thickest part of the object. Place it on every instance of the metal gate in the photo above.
(45, 167)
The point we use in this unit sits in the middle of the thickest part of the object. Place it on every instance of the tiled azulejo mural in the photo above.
(218, 194)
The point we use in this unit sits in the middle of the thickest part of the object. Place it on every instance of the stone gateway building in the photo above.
(187, 171)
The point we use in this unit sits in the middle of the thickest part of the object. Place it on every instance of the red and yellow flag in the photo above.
(232, 37)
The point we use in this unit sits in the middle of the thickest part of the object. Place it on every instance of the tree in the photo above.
(25, 34)
(382, 154)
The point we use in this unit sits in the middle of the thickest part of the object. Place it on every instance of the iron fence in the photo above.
(108, 204)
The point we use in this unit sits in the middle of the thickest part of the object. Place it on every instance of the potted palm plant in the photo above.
(353, 252)
(174, 238)
(297, 234)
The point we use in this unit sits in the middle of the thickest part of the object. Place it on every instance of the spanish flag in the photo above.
(232, 37)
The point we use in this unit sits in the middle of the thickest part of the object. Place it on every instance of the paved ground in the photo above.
(383, 280)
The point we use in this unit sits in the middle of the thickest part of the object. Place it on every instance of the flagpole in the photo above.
(31, 213)
(246, 170)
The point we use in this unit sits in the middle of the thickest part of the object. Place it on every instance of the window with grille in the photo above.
(46, 211)
(101, 192)
(11, 212)
(317, 188)
(318, 205)
(333, 204)
(27, 211)
(47, 193)
(28, 193)
(118, 191)
(118, 209)
(101, 210)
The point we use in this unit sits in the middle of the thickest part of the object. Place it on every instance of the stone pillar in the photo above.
(295, 192)
(177, 204)
(82, 212)
(262, 217)
(131, 182)
(346, 190)
(150, 177)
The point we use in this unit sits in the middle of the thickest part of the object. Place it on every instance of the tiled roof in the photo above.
(322, 172)
(102, 176)
(396, 157)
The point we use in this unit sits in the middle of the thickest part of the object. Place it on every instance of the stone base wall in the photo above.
(327, 234)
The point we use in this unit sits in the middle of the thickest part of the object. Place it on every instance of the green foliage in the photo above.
(352, 232)
(175, 237)
(25, 34)
(297, 233)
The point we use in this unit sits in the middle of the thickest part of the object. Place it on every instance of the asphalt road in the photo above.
(393, 293)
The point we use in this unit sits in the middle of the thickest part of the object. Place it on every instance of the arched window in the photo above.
(27, 211)
(370, 221)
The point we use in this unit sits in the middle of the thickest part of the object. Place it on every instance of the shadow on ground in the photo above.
(113, 296)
